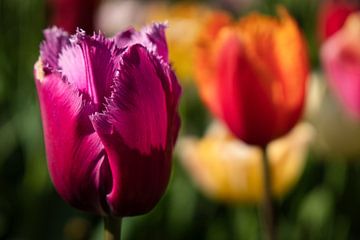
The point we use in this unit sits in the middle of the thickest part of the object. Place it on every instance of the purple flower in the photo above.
(109, 112)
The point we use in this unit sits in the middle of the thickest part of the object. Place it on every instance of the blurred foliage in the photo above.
(323, 205)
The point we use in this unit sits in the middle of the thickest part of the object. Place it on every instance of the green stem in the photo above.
(112, 228)
(267, 203)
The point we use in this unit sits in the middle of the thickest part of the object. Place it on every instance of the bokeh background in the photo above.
(323, 204)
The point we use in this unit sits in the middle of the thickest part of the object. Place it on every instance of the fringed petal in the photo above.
(152, 37)
(138, 130)
(90, 64)
(50, 49)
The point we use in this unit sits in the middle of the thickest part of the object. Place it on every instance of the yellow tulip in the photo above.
(185, 21)
(229, 170)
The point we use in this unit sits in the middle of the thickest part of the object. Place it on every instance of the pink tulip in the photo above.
(109, 113)
(340, 56)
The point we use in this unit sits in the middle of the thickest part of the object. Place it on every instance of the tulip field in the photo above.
(172, 120)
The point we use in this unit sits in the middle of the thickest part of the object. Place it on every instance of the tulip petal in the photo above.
(244, 119)
(136, 95)
(50, 49)
(124, 39)
(136, 133)
(152, 37)
(75, 154)
(90, 64)
(205, 66)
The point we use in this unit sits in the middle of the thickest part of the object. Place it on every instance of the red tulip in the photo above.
(71, 14)
(109, 112)
(332, 16)
(252, 74)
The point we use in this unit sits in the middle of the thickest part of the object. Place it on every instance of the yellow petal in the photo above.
(185, 21)
(229, 170)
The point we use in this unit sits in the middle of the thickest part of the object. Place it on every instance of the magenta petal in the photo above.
(90, 65)
(138, 130)
(139, 180)
(155, 40)
(152, 37)
(50, 49)
(139, 95)
(125, 38)
(75, 154)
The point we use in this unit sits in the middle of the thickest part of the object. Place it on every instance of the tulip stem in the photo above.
(267, 201)
(112, 228)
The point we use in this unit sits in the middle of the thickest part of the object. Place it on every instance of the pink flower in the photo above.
(340, 56)
(109, 112)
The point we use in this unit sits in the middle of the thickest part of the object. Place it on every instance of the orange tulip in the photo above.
(252, 73)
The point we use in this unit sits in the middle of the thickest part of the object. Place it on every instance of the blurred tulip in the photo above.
(332, 16)
(180, 17)
(337, 133)
(109, 112)
(70, 14)
(252, 74)
(229, 170)
(340, 56)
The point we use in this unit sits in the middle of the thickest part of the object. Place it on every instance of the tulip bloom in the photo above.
(340, 56)
(189, 16)
(228, 170)
(252, 74)
(109, 112)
